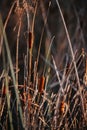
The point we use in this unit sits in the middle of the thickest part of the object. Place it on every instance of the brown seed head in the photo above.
(41, 84)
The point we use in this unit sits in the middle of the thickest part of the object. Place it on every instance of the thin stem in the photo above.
(45, 21)
(6, 22)
(17, 48)
(8, 101)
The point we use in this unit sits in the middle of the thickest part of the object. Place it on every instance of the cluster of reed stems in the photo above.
(36, 104)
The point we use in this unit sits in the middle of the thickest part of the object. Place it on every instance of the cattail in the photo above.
(62, 107)
(41, 84)
(30, 40)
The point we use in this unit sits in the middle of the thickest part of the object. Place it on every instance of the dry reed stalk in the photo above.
(43, 11)
(17, 51)
(48, 53)
(31, 42)
(17, 63)
(73, 57)
(49, 35)
(85, 76)
(5, 25)
(35, 75)
(2, 96)
(57, 72)
(41, 38)
(27, 67)
(8, 101)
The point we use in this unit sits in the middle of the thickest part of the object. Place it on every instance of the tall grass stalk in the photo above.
(41, 38)
(8, 101)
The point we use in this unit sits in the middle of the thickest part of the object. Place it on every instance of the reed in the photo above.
(47, 98)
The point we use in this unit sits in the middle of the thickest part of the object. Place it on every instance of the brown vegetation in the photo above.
(43, 65)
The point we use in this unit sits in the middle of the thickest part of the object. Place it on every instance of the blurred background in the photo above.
(75, 15)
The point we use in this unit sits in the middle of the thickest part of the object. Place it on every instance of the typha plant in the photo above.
(49, 98)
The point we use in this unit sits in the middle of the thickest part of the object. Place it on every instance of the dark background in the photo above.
(75, 14)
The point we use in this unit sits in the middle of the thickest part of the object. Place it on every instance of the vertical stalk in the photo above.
(17, 48)
(17, 51)
(32, 21)
(8, 101)
(26, 112)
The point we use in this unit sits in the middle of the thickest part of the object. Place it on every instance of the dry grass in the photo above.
(49, 99)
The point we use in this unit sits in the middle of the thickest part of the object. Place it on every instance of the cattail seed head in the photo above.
(41, 84)
(62, 107)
